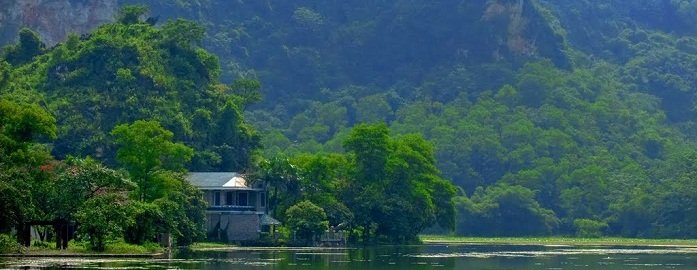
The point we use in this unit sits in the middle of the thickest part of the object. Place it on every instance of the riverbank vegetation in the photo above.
(117, 247)
(384, 189)
(556, 240)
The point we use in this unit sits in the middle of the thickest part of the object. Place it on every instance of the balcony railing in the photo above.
(231, 208)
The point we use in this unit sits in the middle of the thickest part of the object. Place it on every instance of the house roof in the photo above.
(268, 220)
(217, 180)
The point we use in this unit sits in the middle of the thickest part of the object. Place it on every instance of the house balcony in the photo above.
(231, 208)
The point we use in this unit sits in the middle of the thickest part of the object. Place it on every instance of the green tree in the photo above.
(178, 210)
(373, 109)
(284, 180)
(150, 222)
(29, 46)
(4, 74)
(78, 181)
(582, 192)
(504, 210)
(395, 190)
(370, 147)
(146, 150)
(157, 166)
(131, 14)
(21, 124)
(21, 158)
(184, 212)
(248, 90)
(307, 220)
(322, 179)
(234, 141)
(103, 218)
(130, 70)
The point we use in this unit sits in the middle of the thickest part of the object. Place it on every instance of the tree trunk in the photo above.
(24, 234)
(66, 236)
(59, 236)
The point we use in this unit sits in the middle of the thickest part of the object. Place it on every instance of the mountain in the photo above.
(577, 114)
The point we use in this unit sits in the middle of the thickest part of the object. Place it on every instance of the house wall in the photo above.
(228, 227)
(231, 225)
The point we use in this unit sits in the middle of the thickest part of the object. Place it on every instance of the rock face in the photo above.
(53, 19)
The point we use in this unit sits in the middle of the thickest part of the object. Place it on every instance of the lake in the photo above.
(395, 257)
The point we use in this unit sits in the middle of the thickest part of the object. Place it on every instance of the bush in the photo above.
(115, 246)
(589, 228)
(41, 244)
(8, 244)
(120, 247)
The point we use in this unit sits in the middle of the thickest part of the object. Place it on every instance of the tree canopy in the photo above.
(542, 112)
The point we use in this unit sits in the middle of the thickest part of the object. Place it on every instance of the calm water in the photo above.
(402, 258)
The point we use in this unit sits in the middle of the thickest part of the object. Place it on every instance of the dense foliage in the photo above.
(396, 188)
(167, 79)
(578, 113)
(551, 117)
(128, 71)
(384, 188)
(21, 159)
(307, 220)
(156, 110)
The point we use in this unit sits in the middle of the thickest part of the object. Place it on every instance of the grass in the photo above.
(208, 245)
(75, 247)
(115, 247)
(125, 248)
(555, 240)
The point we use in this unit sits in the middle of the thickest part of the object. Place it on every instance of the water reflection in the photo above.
(395, 257)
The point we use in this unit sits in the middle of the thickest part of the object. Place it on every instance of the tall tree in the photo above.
(157, 165)
(146, 150)
(21, 158)
(395, 190)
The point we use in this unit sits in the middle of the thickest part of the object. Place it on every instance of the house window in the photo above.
(262, 198)
(242, 199)
(229, 198)
(216, 198)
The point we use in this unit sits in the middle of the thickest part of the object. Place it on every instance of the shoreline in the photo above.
(425, 239)
(247, 248)
(84, 255)
(558, 241)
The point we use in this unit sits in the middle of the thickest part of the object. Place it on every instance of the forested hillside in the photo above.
(552, 117)
(100, 131)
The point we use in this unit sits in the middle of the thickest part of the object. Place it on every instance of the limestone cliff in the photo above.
(53, 19)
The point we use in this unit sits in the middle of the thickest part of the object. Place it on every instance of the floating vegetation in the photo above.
(408, 258)
(557, 252)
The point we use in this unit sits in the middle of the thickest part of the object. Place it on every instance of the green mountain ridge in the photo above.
(559, 116)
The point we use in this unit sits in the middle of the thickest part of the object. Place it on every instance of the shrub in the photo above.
(41, 244)
(8, 244)
(589, 227)
(120, 247)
